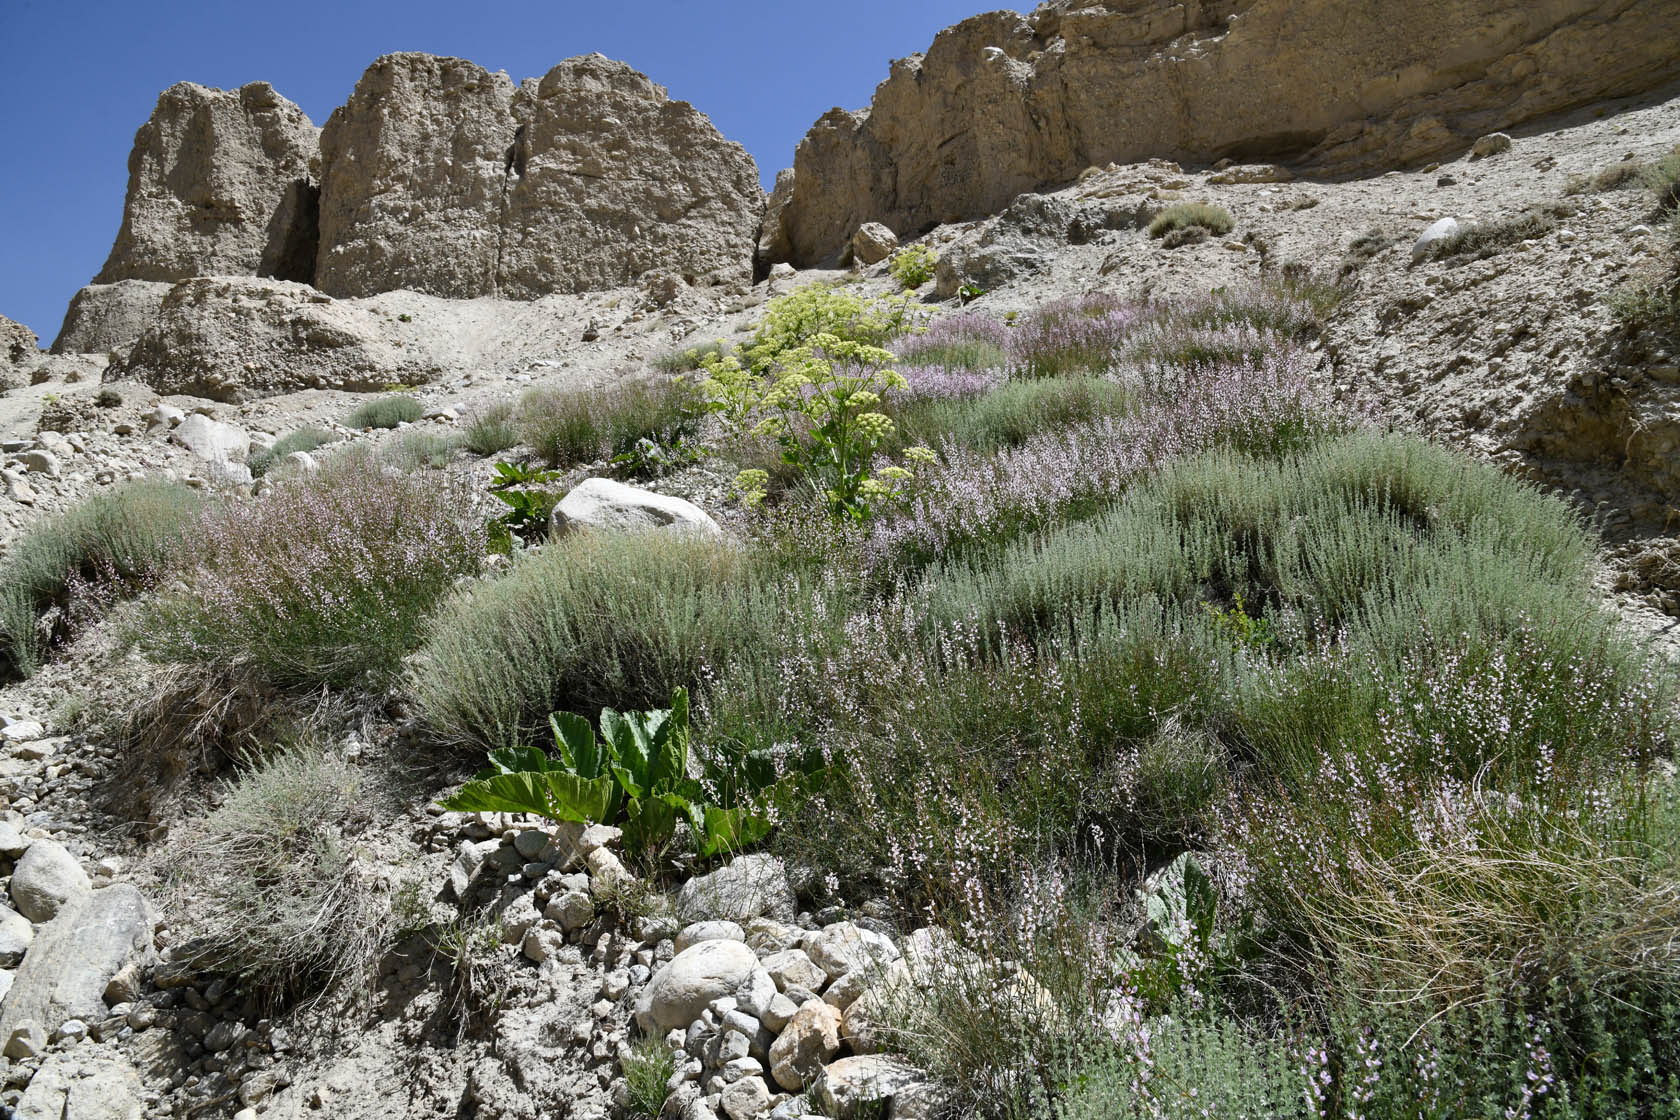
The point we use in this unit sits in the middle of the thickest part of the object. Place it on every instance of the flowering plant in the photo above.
(823, 408)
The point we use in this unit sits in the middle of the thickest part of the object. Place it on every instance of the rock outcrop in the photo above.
(19, 350)
(1003, 104)
(219, 183)
(414, 179)
(236, 339)
(107, 317)
(612, 179)
(441, 177)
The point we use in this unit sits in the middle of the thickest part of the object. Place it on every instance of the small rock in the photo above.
(573, 910)
(27, 1040)
(750, 886)
(709, 931)
(40, 462)
(46, 878)
(1494, 143)
(746, 1099)
(16, 933)
(681, 990)
(809, 1042)
(873, 243)
(23, 731)
(604, 504)
(1440, 231)
(858, 1087)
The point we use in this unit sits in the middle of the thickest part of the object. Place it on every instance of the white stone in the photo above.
(750, 886)
(46, 878)
(681, 990)
(709, 931)
(212, 440)
(1440, 231)
(602, 503)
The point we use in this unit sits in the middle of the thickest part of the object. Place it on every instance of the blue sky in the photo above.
(82, 75)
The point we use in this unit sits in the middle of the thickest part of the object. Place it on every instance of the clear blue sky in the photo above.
(82, 75)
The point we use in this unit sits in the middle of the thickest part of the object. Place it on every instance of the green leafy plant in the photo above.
(634, 775)
(1246, 629)
(529, 506)
(914, 266)
(797, 319)
(968, 293)
(823, 410)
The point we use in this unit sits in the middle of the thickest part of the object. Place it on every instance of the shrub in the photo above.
(412, 451)
(1187, 215)
(492, 431)
(1082, 335)
(267, 887)
(794, 320)
(1485, 239)
(65, 570)
(1611, 178)
(1649, 303)
(913, 266)
(305, 439)
(1008, 415)
(686, 359)
(568, 427)
(323, 581)
(587, 623)
(386, 412)
(1663, 178)
(965, 341)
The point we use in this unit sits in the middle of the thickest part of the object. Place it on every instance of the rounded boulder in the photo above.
(680, 991)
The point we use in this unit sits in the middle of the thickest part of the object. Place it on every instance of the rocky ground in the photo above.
(1513, 356)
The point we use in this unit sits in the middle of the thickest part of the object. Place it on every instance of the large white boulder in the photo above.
(46, 878)
(603, 503)
(680, 991)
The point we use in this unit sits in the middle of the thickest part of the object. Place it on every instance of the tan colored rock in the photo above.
(1003, 103)
(613, 179)
(236, 339)
(441, 177)
(19, 350)
(806, 1044)
(219, 183)
(107, 317)
(414, 175)
(873, 243)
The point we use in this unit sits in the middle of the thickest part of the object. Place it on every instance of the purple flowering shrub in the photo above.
(323, 581)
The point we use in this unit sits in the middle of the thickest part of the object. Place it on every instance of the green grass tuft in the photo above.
(386, 412)
(1186, 215)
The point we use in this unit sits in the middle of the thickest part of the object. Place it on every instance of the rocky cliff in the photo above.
(1003, 103)
(219, 182)
(436, 176)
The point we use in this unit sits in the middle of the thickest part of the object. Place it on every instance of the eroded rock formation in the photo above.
(219, 183)
(236, 339)
(441, 177)
(1002, 103)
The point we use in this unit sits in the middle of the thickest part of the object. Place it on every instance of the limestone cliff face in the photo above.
(220, 181)
(1004, 103)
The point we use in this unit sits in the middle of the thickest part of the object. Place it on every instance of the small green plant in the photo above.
(305, 439)
(568, 427)
(968, 293)
(530, 507)
(492, 431)
(108, 398)
(386, 412)
(647, 1069)
(1242, 627)
(1663, 177)
(913, 266)
(687, 359)
(1192, 215)
(635, 775)
(823, 410)
(405, 317)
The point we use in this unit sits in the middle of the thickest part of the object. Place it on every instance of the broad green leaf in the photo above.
(729, 830)
(651, 822)
(503, 793)
(518, 760)
(575, 740)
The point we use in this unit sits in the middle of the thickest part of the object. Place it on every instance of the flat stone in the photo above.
(76, 955)
(83, 1083)
(605, 504)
